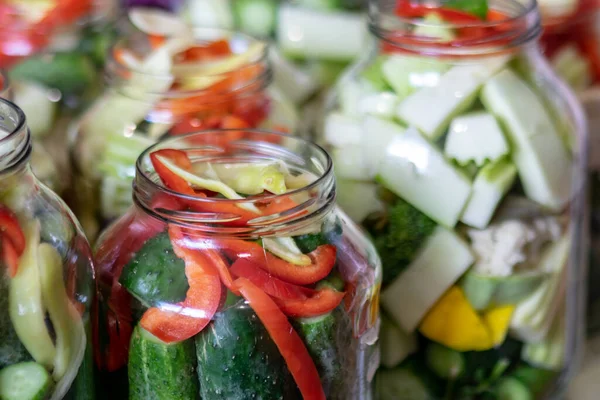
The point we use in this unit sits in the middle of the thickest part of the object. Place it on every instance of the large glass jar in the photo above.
(46, 280)
(463, 156)
(202, 79)
(234, 276)
(53, 52)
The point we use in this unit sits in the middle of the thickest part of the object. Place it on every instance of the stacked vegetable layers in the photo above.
(191, 314)
(53, 64)
(43, 339)
(172, 83)
(464, 170)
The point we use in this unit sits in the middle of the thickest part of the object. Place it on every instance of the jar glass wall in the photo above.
(46, 280)
(205, 78)
(234, 275)
(463, 156)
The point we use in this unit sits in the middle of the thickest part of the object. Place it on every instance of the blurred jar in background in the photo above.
(53, 51)
(184, 81)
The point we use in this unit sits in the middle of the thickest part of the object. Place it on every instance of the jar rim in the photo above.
(515, 24)
(15, 147)
(117, 69)
(259, 145)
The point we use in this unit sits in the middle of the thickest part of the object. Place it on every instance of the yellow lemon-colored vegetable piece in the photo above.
(454, 323)
(498, 319)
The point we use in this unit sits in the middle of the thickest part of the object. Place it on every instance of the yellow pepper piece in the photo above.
(498, 319)
(454, 323)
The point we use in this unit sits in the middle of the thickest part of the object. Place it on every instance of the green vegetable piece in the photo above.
(161, 371)
(512, 389)
(250, 179)
(478, 8)
(62, 313)
(237, 359)
(84, 386)
(445, 362)
(326, 345)
(25, 381)
(309, 242)
(401, 237)
(255, 17)
(12, 350)
(435, 27)
(400, 384)
(67, 72)
(155, 274)
(333, 281)
(320, 5)
(27, 312)
(536, 379)
(96, 43)
(395, 344)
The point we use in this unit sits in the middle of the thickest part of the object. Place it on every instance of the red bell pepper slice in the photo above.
(322, 302)
(169, 178)
(290, 345)
(13, 240)
(269, 284)
(201, 302)
(323, 261)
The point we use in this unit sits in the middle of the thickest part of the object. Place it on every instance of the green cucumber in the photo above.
(12, 350)
(67, 72)
(512, 389)
(256, 17)
(84, 386)
(322, 338)
(25, 381)
(478, 8)
(161, 371)
(237, 359)
(444, 362)
(155, 274)
(536, 379)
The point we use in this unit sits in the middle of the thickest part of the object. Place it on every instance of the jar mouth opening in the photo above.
(508, 24)
(248, 68)
(15, 146)
(253, 147)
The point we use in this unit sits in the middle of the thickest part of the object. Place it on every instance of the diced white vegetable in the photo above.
(158, 22)
(358, 199)
(556, 8)
(294, 82)
(209, 13)
(324, 35)
(350, 162)
(406, 73)
(283, 112)
(377, 136)
(442, 260)
(490, 186)
(341, 130)
(475, 137)
(350, 93)
(35, 102)
(538, 151)
(533, 316)
(286, 249)
(434, 26)
(396, 344)
(573, 67)
(379, 104)
(416, 170)
(431, 109)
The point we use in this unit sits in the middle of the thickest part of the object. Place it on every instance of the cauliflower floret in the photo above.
(512, 244)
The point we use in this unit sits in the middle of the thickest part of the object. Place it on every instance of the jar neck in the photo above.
(401, 26)
(159, 75)
(15, 140)
(295, 211)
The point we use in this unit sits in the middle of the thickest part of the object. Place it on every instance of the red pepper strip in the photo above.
(169, 178)
(290, 345)
(218, 48)
(269, 284)
(13, 240)
(320, 303)
(156, 41)
(591, 49)
(323, 258)
(201, 301)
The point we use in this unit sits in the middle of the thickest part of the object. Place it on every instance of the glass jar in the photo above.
(203, 290)
(46, 280)
(151, 96)
(463, 156)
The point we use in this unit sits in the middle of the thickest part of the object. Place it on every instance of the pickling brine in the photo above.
(234, 276)
(463, 156)
(167, 78)
(46, 281)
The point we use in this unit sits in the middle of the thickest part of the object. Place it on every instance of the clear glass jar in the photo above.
(463, 156)
(186, 303)
(142, 105)
(46, 280)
